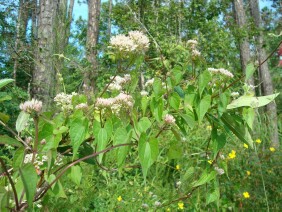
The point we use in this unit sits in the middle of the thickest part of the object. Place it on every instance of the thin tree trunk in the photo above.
(267, 86)
(91, 44)
(244, 41)
(44, 73)
(110, 18)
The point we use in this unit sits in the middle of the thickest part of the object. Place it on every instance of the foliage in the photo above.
(153, 140)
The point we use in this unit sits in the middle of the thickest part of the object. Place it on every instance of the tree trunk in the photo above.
(109, 18)
(267, 86)
(244, 44)
(90, 76)
(44, 74)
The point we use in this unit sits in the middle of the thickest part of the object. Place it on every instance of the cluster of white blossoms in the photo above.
(149, 82)
(169, 119)
(81, 106)
(121, 101)
(219, 170)
(135, 41)
(221, 71)
(39, 161)
(193, 45)
(144, 93)
(119, 82)
(235, 94)
(64, 100)
(31, 106)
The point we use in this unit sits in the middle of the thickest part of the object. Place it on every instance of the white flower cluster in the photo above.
(39, 161)
(149, 82)
(64, 100)
(169, 119)
(119, 82)
(235, 94)
(221, 71)
(134, 41)
(144, 93)
(193, 45)
(219, 170)
(31, 106)
(81, 106)
(121, 101)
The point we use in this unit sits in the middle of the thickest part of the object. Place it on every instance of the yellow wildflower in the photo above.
(272, 149)
(248, 173)
(246, 146)
(181, 205)
(177, 167)
(209, 127)
(119, 198)
(246, 195)
(232, 154)
(258, 141)
(210, 161)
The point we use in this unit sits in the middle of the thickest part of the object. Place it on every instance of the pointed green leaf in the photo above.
(4, 139)
(174, 101)
(22, 121)
(29, 178)
(205, 178)
(204, 79)
(205, 104)
(144, 124)
(250, 69)
(78, 130)
(148, 151)
(4, 82)
(3, 117)
(75, 174)
(102, 141)
(253, 102)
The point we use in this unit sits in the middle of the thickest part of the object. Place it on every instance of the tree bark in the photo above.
(44, 74)
(244, 44)
(91, 44)
(267, 86)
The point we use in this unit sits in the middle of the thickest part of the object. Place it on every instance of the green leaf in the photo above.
(102, 141)
(249, 116)
(3, 117)
(189, 118)
(78, 130)
(188, 174)
(18, 157)
(238, 129)
(4, 98)
(204, 79)
(175, 150)
(205, 178)
(144, 124)
(22, 121)
(4, 139)
(75, 174)
(223, 101)
(179, 91)
(218, 141)
(250, 69)
(212, 197)
(29, 178)
(61, 130)
(148, 151)
(157, 87)
(174, 101)
(144, 104)
(204, 106)
(253, 102)
(4, 82)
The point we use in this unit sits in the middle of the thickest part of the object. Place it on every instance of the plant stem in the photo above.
(35, 146)
(76, 162)
(12, 183)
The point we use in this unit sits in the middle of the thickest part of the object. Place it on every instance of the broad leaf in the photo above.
(3, 117)
(205, 178)
(250, 69)
(102, 141)
(148, 151)
(250, 101)
(144, 124)
(204, 79)
(22, 121)
(4, 82)
(29, 178)
(4, 139)
(205, 104)
(75, 174)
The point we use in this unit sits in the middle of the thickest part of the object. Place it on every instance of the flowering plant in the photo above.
(138, 126)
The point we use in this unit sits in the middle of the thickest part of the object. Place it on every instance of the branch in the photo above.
(11, 182)
(76, 162)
